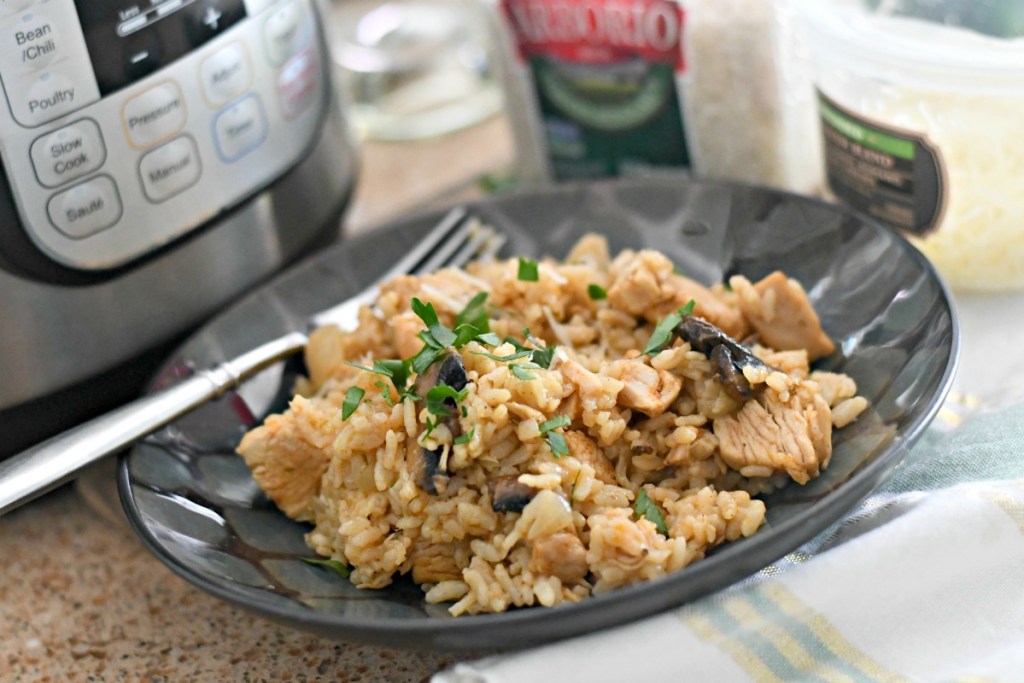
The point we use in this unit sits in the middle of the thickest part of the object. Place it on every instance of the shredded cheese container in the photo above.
(921, 105)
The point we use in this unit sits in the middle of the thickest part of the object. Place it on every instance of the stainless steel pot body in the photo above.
(80, 326)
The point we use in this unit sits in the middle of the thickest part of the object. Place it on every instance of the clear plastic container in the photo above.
(922, 112)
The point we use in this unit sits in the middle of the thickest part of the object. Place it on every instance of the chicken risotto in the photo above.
(529, 432)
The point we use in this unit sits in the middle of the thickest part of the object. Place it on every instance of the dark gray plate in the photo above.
(194, 504)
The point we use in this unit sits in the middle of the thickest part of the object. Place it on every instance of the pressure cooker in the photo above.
(160, 157)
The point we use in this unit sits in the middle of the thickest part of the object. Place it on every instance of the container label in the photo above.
(893, 175)
(604, 75)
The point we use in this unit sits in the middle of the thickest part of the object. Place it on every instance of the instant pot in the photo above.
(159, 157)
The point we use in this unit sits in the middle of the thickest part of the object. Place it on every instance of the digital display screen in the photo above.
(130, 39)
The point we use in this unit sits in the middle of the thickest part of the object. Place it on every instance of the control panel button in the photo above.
(297, 83)
(86, 208)
(170, 169)
(206, 19)
(240, 128)
(285, 32)
(11, 6)
(154, 115)
(225, 74)
(68, 153)
(30, 43)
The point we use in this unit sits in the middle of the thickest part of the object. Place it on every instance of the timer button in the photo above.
(170, 169)
(68, 153)
(86, 208)
(154, 115)
(240, 128)
(225, 74)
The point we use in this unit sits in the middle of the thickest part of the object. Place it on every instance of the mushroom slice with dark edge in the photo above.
(511, 495)
(728, 357)
(451, 371)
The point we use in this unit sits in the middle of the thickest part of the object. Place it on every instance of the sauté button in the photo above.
(86, 208)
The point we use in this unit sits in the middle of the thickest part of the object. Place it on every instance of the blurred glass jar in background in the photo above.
(414, 69)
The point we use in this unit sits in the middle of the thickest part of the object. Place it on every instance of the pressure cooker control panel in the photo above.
(129, 123)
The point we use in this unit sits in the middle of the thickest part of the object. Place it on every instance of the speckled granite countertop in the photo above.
(81, 599)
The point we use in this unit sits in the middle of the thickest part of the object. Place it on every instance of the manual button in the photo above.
(170, 169)
(68, 153)
(86, 208)
(154, 115)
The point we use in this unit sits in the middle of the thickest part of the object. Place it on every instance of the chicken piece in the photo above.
(770, 435)
(591, 250)
(779, 311)
(434, 563)
(585, 450)
(644, 285)
(833, 386)
(561, 554)
(289, 454)
(596, 392)
(644, 388)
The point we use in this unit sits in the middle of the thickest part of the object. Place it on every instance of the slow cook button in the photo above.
(86, 208)
(68, 153)
(170, 169)
(240, 128)
(154, 115)
(225, 74)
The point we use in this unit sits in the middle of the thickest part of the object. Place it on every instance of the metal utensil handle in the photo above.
(55, 461)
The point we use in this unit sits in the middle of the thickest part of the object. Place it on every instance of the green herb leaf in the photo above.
(339, 568)
(559, 447)
(665, 328)
(424, 359)
(465, 334)
(425, 312)
(597, 292)
(525, 353)
(521, 370)
(542, 355)
(557, 422)
(465, 438)
(437, 396)
(645, 507)
(488, 338)
(475, 314)
(528, 270)
(353, 397)
(385, 393)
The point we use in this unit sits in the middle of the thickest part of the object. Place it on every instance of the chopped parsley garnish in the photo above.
(465, 438)
(438, 396)
(353, 397)
(662, 335)
(395, 370)
(475, 314)
(645, 507)
(505, 359)
(559, 447)
(542, 355)
(597, 292)
(339, 568)
(556, 440)
(522, 370)
(436, 338)
(528, 270)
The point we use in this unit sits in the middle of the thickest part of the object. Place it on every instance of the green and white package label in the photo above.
(604, 74)
(893, 175)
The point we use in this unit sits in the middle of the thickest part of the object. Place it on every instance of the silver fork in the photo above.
(453, 242)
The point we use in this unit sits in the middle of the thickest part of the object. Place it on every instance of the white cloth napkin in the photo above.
(923, 582)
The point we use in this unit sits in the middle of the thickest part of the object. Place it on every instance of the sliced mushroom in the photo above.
(511, 495)
(451, 371)
(728, 357)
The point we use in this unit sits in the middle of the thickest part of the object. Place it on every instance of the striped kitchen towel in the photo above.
(923, 582)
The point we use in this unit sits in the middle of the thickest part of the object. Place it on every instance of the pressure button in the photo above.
(154, 115)
(86, 208)
(68, 153)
